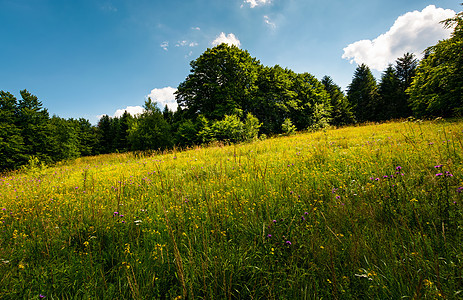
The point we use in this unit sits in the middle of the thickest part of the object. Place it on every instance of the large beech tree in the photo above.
(220, 83)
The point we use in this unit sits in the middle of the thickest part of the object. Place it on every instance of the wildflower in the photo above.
(439, 174)
(438, 166)
(385, 176)
(448, 174)
(41, 296)
(460, 189)
(398, 168)
(115, 213)
(288, 243)
(306, 213)
(274, 221)
(269, 235)
(338, 197)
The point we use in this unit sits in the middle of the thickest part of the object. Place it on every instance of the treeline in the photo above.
(230, 96)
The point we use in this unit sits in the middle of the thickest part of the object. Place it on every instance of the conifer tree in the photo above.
(362, 94)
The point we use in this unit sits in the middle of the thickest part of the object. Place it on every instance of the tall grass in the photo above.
(358, 212)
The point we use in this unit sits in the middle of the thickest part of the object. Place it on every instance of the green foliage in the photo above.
(287, 127)
(437, 88)
(230, 129)
(221, 80)
(250, 128)
(362, 94)
(35, 130)
(11, 140)
(390, 95)
(321, 117)
(65, 142)
(341, 112)
(150, 131)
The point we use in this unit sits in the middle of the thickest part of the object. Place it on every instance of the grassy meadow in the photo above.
(369, 212)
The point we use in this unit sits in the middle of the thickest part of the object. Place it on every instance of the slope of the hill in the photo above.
(358, 212)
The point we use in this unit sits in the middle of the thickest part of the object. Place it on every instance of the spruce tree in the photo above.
(362, 94)
(341, 113)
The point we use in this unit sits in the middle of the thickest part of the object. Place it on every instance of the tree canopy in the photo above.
(437, 88)
(230, 96)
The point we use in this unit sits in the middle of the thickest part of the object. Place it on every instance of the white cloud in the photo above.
(227, 39)
(133, 110)
(181, 43)
(269, 22)
(163, 97)
(186, 43)
(165, 45)
(412, 32)
(254, 3)
(196, 28)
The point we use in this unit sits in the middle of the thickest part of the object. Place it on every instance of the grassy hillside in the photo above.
(359, 212)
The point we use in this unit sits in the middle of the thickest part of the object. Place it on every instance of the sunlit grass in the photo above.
(358, 212)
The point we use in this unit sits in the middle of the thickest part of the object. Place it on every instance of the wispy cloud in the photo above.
(186, 43)
(254, 3)
(165, 45)
(229, 39)
(269, 22)
(164, 96)
(108, 6)
(196, 28)
(181, 43)
(412, 32)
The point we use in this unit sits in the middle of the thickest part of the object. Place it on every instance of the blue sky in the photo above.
(92, 57)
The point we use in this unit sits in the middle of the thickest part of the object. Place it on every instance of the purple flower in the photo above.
(398, 168)
(41, 296)
(438, 166)
(303, 219)
(376, 179)
(306, 213)
(274, 221)
(385, 176)
(460, 189)
(269, 235)
(338, 197)
(439, 174)
(288, 243)
(115, 213)
(448, 174)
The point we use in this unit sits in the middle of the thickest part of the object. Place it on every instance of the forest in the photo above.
(230, 96)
